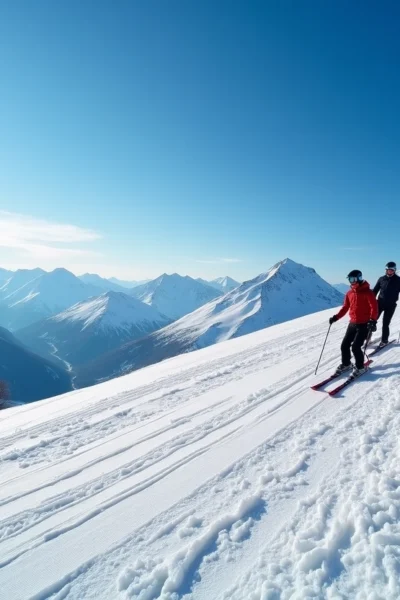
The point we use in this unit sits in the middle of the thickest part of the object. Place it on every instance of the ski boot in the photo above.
(357, 372)
(382, 344)
(343, 368)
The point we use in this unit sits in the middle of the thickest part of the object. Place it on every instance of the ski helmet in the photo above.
(391, 265)
(355, 276)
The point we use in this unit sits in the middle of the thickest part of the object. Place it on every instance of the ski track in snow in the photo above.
(226, 480)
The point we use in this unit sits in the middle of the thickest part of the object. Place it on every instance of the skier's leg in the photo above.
(379, 314)
(387, 317)
(359, 339)
(346, 344)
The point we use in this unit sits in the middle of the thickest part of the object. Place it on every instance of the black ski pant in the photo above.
(388, 312)
(354, 338)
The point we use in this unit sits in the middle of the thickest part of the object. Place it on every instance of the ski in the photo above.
(321, 384)
(379, 348)
(348, 381)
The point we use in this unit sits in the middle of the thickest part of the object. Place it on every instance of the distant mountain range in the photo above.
(28, 376)
(90, 328)
(288, 290)
(31, 295)
(47, 294)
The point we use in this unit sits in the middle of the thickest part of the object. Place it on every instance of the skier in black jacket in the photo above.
(388, 287)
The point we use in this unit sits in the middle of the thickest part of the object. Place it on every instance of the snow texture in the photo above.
(216, 475)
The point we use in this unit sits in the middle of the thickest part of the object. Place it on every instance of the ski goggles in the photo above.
(390, 270)
(354, 279)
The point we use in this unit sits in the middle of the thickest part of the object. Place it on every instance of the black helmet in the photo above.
(354, 276)
(391, 265)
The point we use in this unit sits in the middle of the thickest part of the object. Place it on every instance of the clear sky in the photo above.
(203, 137)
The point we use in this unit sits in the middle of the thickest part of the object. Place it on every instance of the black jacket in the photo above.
(389, 290)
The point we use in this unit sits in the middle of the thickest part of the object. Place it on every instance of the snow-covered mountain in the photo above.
(175, 295)
(218, 474)
(342, 287)
(224, 284)
(28, 376)
(46, 295)
(17, 280)
(103, 284)
(287, 291)
(4, 275)
(90, 328)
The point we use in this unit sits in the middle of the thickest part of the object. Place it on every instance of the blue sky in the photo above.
(205, 138)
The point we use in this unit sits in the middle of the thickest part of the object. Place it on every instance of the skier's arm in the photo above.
(374, 306)
(377, 287)
(345, 307)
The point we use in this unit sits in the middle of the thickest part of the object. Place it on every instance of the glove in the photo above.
(333, 320)
(371, 325)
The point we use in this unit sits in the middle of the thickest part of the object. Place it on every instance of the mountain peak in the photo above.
(286, 291)
(286, 268)
(225, 284)
(115, 296)
(175, 295)
(60, 271)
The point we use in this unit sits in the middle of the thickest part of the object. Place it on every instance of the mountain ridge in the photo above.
(254, 305)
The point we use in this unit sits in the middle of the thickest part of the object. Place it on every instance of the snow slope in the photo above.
(44, 296)
(288, 290)
(87, 329)
(217, 475)
(175, 295)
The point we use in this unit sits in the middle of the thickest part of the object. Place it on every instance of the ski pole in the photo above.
(323, 347)
(366, 357)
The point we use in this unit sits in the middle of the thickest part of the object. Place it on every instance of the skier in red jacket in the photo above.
(361, 302)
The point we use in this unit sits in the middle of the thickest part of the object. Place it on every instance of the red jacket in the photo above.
(362, 304)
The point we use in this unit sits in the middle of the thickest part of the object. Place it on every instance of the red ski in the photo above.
(316, 386)
(321, 384)
(348, 381)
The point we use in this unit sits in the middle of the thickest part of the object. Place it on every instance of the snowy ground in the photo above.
(217, 475)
